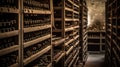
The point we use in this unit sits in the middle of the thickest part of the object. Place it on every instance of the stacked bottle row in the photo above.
(34, 44)
(9, 33)
(66, 32)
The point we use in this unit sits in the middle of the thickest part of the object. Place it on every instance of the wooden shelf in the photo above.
(76, 27)
(75, 33)
(76, 37)
(14, 65)
(68, 9)
(71, 40)
(85, 37)
(37, 11)
(49, 65)
(8, 50)
(73, 59)
(69, 29)
(76, 12)
(117, 47)
(68, 58)
(35, 56)
(61, 56)
(68, 19)
(76, 43)
(8, 34)
(75, 19)
(73, 3)
(56, 43)
(69, 50)
(74, 65)
(112, 3)
(9, 10)
(32, 42)
(32, 29)
(114, 41)
(117, 57)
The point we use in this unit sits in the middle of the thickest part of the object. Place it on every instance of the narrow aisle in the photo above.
(95, 60)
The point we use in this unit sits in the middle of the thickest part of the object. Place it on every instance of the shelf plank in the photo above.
(117, 47)
(74, 65)
(57, 60)
(73, 3)
(109, 36)
(8, 34)
(76, 43)
(76, 27)
(9, 10)
(75, 19)
(31, 29)
(8, 50)
(76, 12)
(69, 50)
(56, 43)
(35, 56)
(112, 3)
(68, 9)
(85, 57)
(68, 58)
(69, 29)
(84, 37)
(68, 19)
(71, 40)
(29, 43)
(37, 11)
(75, 32)
(114, 42)
(49, 65)
(77, 36)
(75, 56)
(14, 65)
(118, 57)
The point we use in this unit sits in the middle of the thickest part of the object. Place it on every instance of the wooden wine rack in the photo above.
(42, 33)
(112, 33)
(23, 13)
(66, 29)
(83, 31)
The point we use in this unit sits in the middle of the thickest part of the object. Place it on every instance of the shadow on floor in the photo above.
(95, 60)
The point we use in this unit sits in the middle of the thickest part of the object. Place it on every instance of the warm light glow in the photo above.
(89, 19)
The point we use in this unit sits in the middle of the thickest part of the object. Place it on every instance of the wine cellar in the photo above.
(56, 33)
